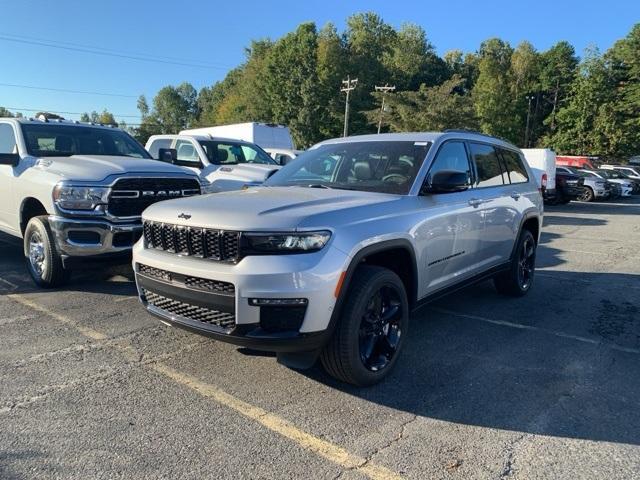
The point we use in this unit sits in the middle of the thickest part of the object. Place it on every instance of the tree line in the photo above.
(549, 98)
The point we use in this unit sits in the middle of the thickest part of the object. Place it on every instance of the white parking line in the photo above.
(506, 323)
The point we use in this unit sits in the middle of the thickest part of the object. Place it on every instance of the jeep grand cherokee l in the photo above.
(328, 258)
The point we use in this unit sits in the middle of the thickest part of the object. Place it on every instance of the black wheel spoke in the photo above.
(390, 313)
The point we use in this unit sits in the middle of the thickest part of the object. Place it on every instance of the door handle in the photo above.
(474, 202)
(515, 195)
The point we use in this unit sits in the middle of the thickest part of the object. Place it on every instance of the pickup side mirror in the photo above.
(9, 159)
(169, 155)
(446, 181)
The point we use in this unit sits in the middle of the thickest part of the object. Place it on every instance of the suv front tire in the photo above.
(374, 321)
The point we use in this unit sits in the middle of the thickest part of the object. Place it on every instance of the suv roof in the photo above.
(56, 121)
(421, 137)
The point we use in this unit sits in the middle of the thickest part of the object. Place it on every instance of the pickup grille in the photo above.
(220, 245)
(224, 320)
(130, 196)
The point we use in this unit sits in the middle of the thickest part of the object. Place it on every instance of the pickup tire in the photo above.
(518, 279)
(43, 260)
(370, 332)
(587, 195)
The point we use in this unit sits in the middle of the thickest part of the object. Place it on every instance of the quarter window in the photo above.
(490, 172)
(7, 139)
(451, 156)
(515, 169)
(156, 145)
(186, 152)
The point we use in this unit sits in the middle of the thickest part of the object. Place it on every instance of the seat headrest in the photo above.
(64, 144)
(362, 170)
(223, 155)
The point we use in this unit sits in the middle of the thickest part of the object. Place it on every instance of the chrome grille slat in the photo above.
(220, 245)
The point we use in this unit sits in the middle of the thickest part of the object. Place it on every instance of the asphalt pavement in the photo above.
(488, 387)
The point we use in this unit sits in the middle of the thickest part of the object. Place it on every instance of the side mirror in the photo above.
(446, 181)
(9, 159)
(169, 155)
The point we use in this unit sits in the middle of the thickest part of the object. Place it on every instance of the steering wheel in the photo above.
(396, 178)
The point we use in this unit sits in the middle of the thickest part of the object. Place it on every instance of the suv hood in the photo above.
(95, 168)
(234, 177)
(275, 208)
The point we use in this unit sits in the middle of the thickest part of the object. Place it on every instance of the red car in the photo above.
(574, 161)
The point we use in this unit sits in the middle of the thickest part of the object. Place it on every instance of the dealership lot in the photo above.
(546, 386)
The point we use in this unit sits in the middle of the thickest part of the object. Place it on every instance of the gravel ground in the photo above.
(488, 387)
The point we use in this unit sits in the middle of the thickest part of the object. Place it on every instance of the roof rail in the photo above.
(474, 132)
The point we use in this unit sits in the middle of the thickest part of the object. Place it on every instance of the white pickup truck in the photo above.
(223, 164)
(75, 192)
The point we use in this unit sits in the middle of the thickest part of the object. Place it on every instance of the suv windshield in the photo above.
(51, 140)
(229, 153)
(378, 166)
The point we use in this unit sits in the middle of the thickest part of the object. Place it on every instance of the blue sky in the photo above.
(214, 34)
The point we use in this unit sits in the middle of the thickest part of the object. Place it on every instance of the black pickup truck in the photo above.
(569, 186)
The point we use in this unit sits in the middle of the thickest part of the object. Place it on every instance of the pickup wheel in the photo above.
(369, 336)
(517, 281)
(43, 260)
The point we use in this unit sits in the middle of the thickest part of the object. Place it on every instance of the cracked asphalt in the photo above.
(488, 387)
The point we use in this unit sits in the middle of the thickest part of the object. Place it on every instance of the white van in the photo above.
(265, 135)
(543, 164)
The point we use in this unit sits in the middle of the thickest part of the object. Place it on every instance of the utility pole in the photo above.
(347, 85)
(386, 89)
(526, 130)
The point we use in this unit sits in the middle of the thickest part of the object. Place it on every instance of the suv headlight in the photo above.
(72, 197)
(293, 242)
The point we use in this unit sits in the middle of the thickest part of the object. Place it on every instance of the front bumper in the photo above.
(312, 277)
(90, 237)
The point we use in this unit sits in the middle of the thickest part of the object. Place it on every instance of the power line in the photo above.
(19, 109)
(33, 87)
(108, 53)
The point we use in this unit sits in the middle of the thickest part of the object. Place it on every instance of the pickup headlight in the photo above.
(294, 242)
(72, 197)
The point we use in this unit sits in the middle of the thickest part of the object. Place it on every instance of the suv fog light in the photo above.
(277, 302)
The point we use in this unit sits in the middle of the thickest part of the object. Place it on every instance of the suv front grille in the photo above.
(130, 196)
(208, 243)
(223, 320)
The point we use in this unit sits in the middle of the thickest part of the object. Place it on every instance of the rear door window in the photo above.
(7, 139)
(488, 166)
(516, 171)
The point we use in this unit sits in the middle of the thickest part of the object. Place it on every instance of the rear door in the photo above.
(497, 202)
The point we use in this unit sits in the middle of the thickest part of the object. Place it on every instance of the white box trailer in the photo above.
(265, 135)
(543, 163)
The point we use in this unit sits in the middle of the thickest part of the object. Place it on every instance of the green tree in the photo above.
(429, 109)
(331, 69)
(492, 92)
(557, 71)
(5, 113)
(105, 118)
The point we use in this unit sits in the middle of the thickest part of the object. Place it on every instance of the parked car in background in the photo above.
(569, 186)
(282, 156)
(266, 135)
(626, 186)
(329, 257)
(222, 164)
(74, 192)
(594, 188)
(543, 165)
(574, 161)
(631, 171)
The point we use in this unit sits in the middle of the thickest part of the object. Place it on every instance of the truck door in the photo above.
(8, 208)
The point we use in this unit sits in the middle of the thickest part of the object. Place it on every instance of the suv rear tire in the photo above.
(368, 338)
(518, 279)
(43, 260)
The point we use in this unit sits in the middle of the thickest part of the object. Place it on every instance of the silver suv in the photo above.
(329, 257)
